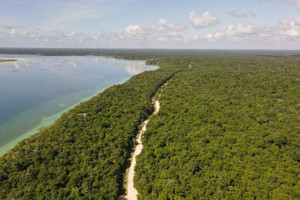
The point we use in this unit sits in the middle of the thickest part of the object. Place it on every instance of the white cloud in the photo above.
(70, 34)
(112, 37)
(37, 38)
(236, 13)
(171, 38)
(15, 32)
(244, 29)
(161, 32)
(297, 2)
(204, 20)
(292, 33)
(290, 28)
(285, 34)
(297, 20)
(95, 38)
(133, 29)
(163, 26)
(239, 32)
(286, 31)
(176, 37)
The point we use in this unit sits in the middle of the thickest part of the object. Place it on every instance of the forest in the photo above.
(228, 128)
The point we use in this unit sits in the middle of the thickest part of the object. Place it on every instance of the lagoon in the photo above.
(36, 90)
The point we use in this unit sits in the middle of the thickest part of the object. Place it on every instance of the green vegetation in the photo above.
(85, 152)
(228, 128)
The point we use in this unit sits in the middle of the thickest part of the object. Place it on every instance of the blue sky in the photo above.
(195, 24)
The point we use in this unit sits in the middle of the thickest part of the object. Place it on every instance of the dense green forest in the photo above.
(85, 152)
(228, 127)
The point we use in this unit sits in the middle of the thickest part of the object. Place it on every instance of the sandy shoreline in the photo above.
(48, 121)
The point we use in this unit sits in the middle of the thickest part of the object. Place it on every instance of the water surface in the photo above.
(36, 90)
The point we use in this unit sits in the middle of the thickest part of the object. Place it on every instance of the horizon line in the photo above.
(122, 48)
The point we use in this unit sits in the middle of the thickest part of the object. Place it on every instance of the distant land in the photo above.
(144, 53)
(227, 128)
(7, 60)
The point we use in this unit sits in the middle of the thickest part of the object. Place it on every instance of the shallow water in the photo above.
(36, 90)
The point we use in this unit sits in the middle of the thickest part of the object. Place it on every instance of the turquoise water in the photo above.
(36, 90)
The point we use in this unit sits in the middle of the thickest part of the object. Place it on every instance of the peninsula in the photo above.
(8, 60)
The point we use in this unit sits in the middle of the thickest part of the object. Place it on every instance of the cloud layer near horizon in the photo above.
(196, 30)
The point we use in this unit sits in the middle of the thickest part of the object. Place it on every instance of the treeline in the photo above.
(228, 128)
(138, 54)
(84, 153)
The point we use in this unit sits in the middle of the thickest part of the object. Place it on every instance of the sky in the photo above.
(167, 24)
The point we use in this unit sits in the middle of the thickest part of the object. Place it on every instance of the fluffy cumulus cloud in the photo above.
(290, 28)
(159, 33)
(204, 20)
(236, 13)
(296, 2)
(285, 32)
(241, 31)
(133, 29)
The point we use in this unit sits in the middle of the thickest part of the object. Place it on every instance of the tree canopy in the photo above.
(228, 128)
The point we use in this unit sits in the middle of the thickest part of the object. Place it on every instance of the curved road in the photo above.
(131, 191)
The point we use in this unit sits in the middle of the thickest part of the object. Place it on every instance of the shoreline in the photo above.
(49, 120)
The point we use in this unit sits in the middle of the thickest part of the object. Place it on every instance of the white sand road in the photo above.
(131, 191)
